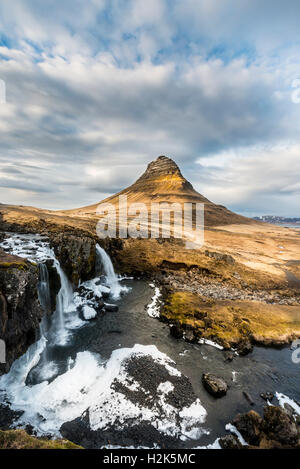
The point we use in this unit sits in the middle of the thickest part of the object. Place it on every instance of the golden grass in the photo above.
(19, 439)
(230, 322)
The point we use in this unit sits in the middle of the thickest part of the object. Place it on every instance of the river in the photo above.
(74, 364)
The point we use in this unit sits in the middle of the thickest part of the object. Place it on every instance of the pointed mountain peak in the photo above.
(163, 172)
(163, 165)
(163, 182)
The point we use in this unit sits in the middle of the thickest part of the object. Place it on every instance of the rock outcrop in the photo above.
(278, 428)
(19, 439)
(20, 310)
(214, 385)
(164, 408)
(76, 254)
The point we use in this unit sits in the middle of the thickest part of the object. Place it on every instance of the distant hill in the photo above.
(277, 220)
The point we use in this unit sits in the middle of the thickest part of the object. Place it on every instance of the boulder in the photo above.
(214, 385)
(245, 347)
(230, 442)
(267, 396)
(76, 254)
(190, 336)
(176, 331)
(228, 356)
(250, 427)
(111, 308)
(54, 282)
(88, 313)
(278, 425)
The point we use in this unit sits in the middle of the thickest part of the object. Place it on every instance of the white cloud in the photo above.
(96, 87)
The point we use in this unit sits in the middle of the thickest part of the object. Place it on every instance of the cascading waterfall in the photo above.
(63, 301)
(37, 249)
(112, 279)
(44, 288)
(46, 378)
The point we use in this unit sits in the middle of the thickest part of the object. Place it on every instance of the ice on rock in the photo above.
(88, 312)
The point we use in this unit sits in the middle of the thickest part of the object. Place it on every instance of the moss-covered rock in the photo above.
(232, 323)
(19, 439)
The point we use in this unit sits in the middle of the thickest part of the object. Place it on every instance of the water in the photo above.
(36, 248)
(44, 288)
(56, 381)
(63, 301)
(112, 280)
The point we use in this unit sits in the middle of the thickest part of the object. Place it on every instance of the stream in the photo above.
(121, 375)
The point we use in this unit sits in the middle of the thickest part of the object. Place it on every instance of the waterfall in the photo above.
(63, 301)
(44, 288)
(112, 280)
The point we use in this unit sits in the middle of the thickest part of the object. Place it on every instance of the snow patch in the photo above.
(210, 342)
(88, 312)
(232, 429)
(153, 308)
(283, 399)
(87, 384)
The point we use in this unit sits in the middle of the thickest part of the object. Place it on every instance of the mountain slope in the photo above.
(163, 182)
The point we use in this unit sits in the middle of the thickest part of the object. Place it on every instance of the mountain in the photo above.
(163, 182)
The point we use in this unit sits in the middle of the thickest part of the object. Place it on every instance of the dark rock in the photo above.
(176, 331)
(208, 322)
(289, 409)
(30, 430)
(220, 257)
(230, 442)
(78, 430)
(99, 306)
(76, 254)
(111, 308)
(189, 336)
(267, 396)
(250, 426)
(229, 356)
(245, 347)
(200, 315)
(20, 311)
(214, 385)
(83, 291)
(8, 417)
(280, 426)
(54, 282)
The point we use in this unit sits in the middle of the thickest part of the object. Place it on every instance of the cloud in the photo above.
(260, 179)
(95, 90)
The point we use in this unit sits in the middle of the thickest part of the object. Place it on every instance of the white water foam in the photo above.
(211, 343)
(283, 399)
(214, 445)
(88, 385)
(153, 308)
(232, 429)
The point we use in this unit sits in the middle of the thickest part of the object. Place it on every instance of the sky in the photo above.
(96, 89)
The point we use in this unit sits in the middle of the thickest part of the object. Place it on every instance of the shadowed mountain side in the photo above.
(163, 182)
